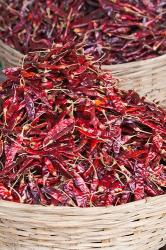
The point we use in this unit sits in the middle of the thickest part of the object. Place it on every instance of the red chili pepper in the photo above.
(1, 147)
(152, 191)
(60, 129)
(5, 194)
(28, 74)
(79, 182)
(95, 182)
(29, 106)
(11, 152)
(158, 142)
(57, 197)
(50, 166)
(34, 191)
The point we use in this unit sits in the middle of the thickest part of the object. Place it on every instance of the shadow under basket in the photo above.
(134, 226)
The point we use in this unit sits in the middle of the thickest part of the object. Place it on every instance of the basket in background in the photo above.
(147, 77)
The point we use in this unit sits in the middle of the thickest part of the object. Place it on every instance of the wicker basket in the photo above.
(134, 226)
(147, 77)
(10, 57)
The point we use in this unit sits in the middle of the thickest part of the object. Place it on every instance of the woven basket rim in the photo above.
(128, 206)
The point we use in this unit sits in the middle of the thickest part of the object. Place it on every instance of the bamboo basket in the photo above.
(147, 77)
(133, 226)
(9, 57)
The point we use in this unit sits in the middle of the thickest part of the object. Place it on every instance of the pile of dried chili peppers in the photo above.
(69, 137)
(114, 31)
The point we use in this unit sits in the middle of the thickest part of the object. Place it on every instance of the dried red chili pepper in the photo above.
(93, 146)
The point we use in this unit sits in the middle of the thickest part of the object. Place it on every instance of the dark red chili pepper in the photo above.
(1, 147)
(50, 166)
(29, 105)
(5, 194)
(60, 129)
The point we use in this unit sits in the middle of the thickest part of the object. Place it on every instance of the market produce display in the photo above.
(114, 31)
(70, 137)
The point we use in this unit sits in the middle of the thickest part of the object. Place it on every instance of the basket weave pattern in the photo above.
(9, 57)
(137, 225)
(147, 77)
